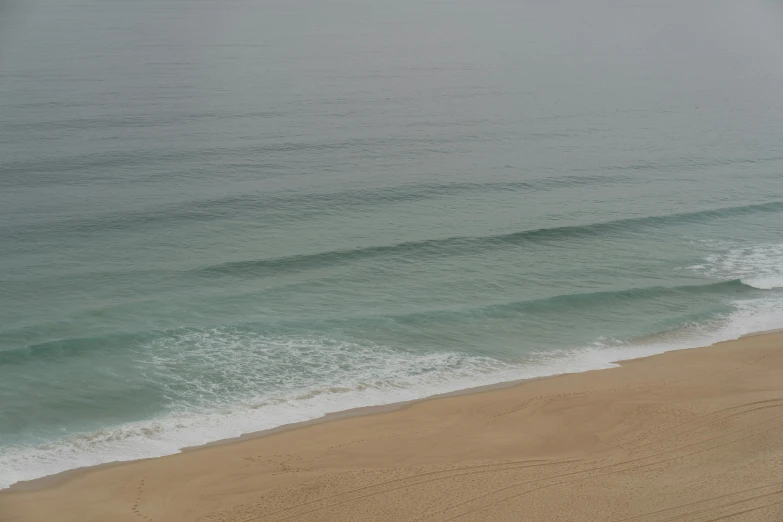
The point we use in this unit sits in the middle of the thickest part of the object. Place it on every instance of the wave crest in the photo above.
(468, 244)
(765, 282)
(759, 266)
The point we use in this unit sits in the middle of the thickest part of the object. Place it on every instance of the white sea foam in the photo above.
(759, 266)
(765, 282)
(370, 375)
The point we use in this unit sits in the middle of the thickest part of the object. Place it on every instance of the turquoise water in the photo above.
(221, 217)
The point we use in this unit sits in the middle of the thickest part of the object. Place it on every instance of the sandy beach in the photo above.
(692, 435)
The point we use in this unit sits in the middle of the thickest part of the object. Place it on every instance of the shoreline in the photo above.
(58, 479)
(662, 433)
(63, 476)
(55, 479)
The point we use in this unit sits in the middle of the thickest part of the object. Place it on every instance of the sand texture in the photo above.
(694, 435)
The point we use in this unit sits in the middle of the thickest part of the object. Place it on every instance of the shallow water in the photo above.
(220, 217)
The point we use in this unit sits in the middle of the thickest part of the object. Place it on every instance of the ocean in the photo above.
(219, 217)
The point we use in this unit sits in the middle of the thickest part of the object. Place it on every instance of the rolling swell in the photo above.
(85, 165)
(266, 209)
(573, 303)
(61, 348)
(466, 245)
(693, 163)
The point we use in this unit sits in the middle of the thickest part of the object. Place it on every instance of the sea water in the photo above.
(218, 217)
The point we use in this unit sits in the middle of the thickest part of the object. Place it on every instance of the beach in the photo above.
(691, 435)
(302, 260)
(325, 207)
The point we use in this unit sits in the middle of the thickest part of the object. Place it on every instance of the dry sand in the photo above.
(694, 435)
